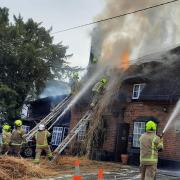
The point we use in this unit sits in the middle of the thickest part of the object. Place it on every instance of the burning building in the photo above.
(146, 91)
(137, 90)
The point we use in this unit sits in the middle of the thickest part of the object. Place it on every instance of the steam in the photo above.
(55, 88)
(139, 34)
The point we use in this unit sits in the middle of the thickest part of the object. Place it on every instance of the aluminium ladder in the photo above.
(84, 120)
(50, 117)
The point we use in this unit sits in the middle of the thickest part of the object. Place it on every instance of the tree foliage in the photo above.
(28, 59)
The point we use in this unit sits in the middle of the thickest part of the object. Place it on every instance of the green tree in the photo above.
(28, 58)
(8, 100)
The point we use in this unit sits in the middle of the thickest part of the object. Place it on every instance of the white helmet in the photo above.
(41, 127)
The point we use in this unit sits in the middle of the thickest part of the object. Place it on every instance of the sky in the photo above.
(62, 14)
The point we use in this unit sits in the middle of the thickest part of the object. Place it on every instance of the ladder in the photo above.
(50, 117)
(84, 120)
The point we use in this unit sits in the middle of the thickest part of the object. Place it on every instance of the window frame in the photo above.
(55, 138)
(140, 88)
(82, 133)
(137, 134)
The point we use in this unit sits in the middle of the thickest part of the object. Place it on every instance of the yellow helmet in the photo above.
(104, 80)
(18, 123)
(151, 126)
(75, 75)
(6, 127)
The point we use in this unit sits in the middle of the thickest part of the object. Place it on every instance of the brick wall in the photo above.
(110, 142)
(133, 111)
(77, 112)
(136, 110)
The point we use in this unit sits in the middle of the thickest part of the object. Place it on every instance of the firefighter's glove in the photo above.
(161, 136)
(160, 150)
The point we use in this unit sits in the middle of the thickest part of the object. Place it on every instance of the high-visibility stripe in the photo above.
(41, 145)
(148, 159)
(16, 144)
(153, 147)
(37, 161)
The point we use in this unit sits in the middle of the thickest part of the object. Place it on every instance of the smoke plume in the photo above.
(55, 88)
(138, 34)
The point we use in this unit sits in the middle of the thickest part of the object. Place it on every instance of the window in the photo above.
(82, 133)
(139, 129)
(26, 128)
(137, 90)
(57, 136)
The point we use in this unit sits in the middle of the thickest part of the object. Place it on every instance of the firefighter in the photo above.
(41, 138)
(0, 139)
(75, 83)
(150, 144)
(98, 90)
(94, 60)
(17, 138)
(6, 138)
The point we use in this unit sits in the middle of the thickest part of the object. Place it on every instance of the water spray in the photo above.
(172, 117)
(90, 82)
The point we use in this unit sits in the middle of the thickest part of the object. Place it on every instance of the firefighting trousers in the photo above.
(148, 172)
(15, 150)
(39, 151)
(5, 148)
(95, 99)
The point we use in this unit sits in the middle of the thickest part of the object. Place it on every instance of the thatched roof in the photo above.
(162, 79)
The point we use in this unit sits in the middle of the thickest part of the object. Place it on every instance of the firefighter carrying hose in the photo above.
(17, 138)
(150, 144)
(41, 138)
(98, 90)
(6, 137)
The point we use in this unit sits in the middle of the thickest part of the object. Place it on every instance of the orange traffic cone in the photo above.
(77, 171)
(100, 174)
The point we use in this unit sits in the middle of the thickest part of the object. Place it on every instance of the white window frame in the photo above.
(57, 136)
(138, 130)
(137, 92)
(82, 133)
(26, 128)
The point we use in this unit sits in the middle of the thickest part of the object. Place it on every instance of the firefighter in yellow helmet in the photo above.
(6, 137)
(98, 90)
(41, 138)
(75, 83)
(17, 138)
(150, 144)
(94, 60)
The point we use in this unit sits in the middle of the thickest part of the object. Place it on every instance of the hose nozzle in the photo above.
(161, 135)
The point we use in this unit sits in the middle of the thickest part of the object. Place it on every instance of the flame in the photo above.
(107, 51)
(124, 60)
